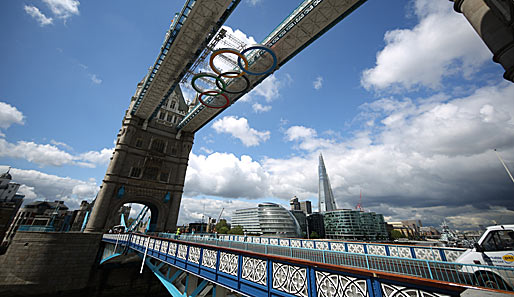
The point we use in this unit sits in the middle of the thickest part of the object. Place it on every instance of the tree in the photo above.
(222, 230)
(237, 230)
(395, 234)
(314, 235)
(222, 227)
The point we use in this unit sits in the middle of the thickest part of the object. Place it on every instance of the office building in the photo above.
(347, 224)
(306, 207)
(315, 224)
(268, 219)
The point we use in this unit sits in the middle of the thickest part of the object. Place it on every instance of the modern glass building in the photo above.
(326, 201)
(268, 219)
(350, 224)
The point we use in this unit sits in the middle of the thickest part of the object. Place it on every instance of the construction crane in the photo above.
(221, 212)
(504, 165)
(359, 206)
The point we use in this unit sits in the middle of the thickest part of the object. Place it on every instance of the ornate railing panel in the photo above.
(306, 272)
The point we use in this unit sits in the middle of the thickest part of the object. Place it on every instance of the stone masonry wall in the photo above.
(42, 262)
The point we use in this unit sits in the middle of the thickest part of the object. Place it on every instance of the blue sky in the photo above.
(402, 98)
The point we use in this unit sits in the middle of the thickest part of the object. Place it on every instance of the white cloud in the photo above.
(318, 83)
(429, 52)
(269, 88)
(206, 150)
(225, 175)
(95, 79)
(43, 154)
(43, 186)
(28, 192)
(10, 115)
(63, 9)
(52, 155)
(428, 159)
(239, 128)
(61, 144)
(102, 157)
(307, 138)
(257, 107)
(253, 2)
(35, 13)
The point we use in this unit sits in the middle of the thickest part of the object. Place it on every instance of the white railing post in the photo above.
(144, 257)
(116, 245)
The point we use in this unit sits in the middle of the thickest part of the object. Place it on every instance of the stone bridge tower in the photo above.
(148, 166)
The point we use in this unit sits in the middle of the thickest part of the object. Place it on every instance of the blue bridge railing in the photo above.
(259, 269)
(381, 249)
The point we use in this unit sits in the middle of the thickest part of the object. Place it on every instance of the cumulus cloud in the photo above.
(307, 138)
(43, 154)
(63, 9)
(102, 157)
(240, 129)
(36, 14)
(269, 88)
(318, 83)
(429, 52)
(10, 115)
(52, 155)
(257, 107)
(225, 175)
(429, 159)
(37, 185)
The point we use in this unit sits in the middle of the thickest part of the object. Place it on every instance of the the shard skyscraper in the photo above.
(326, 201)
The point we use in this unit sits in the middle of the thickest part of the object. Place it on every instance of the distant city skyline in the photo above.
(407, 107)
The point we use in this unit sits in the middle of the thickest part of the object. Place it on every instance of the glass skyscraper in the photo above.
(326, 201)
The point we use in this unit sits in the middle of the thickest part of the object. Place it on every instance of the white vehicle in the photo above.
(494, 248)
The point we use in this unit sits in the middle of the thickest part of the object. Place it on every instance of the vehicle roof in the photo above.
(501, 227)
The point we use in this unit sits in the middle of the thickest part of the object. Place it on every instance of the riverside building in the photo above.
(347, 224)
(268, 219)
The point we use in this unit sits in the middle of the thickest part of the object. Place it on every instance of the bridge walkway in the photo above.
(281, 271)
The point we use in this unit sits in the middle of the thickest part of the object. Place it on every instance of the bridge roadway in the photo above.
(271, 270)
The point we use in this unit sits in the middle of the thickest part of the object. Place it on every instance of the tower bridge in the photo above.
(151, 154)
(150, 159)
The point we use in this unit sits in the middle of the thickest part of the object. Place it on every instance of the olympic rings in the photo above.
(213, 93)
(224, 89)
(220, 82)
(262, 47)
(231, 51)
(200, 75)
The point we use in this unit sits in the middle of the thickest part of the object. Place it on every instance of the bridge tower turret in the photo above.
(148, 166)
